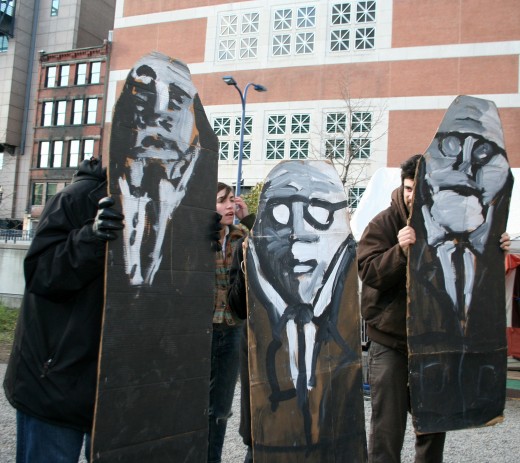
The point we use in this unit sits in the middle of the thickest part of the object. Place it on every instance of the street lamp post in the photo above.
(243, 97)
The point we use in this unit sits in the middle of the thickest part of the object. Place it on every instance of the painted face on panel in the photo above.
(467, 167)
(226, 206)
(157, 137)
(303, 213)
(164, 96)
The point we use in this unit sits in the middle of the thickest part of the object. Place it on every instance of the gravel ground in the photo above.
(496, 444)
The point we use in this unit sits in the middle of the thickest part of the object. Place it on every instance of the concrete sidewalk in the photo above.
(496, 444)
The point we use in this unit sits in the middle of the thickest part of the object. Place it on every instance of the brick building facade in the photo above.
(373, 76)
(69, 119)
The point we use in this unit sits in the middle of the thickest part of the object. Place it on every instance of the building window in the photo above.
(238, 36)
(50, 80)
(288, 136)
(61, 109)
(91, 110)
(64, 75)
(43, 158)
(81, 74)
(48, 109)
(360, 148)
(246, 150)
(55, 6)
(361, 121)
(51, 190)
(299, 149)
(335, 148)
(223, 150)
(51, 154)
(294, 31)
(275, 149)
(336, 123)
(228, 131)
(57, 154)
(276, 124)
(222, 128)
(354, 196)
(348, 139)
(80, 150)
(352, 26)
(88, 148)
(37, 194)
(74, 153)
(4, 43)
(77, 112)
(7, 8)
(95, 72)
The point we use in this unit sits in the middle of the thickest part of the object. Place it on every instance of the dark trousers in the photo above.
(388, 377)
(224, 373)
(41, 442)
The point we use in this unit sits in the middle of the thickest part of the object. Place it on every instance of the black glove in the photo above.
(215, 233)
(107, 220)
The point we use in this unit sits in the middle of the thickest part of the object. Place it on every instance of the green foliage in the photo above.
(252, 197)
(8, 319)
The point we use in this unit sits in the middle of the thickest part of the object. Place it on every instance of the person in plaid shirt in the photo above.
(226, 325)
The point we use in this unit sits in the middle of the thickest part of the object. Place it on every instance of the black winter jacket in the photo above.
(237, 297)
(382, 269)
(53, 366)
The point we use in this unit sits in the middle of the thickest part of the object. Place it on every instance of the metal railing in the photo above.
(9, 235)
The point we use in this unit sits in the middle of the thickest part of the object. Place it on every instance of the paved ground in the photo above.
(496, 444)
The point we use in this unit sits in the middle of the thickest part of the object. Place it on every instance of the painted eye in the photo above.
(281, 214)
(482, 152)
(319, 214)
(450, 146)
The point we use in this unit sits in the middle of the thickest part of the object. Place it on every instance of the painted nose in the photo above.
(301, 231)
(464, 164)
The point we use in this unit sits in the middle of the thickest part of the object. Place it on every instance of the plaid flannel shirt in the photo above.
(222, 313)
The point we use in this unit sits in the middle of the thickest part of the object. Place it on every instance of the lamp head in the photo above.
(229, 80)
(259, 88)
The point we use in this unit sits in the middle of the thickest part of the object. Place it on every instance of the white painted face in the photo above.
(164, 97)
(303, 217)
(466, 167)
(465, 173)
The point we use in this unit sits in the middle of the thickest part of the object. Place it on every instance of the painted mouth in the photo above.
(301, 267)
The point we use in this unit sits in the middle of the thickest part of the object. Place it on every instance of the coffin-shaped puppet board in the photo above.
(153, 384)
(304, 341)
(456, 314)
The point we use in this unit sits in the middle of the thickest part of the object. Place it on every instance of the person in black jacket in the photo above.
(51, 375)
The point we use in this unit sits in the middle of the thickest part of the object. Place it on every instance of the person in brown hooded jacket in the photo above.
(382, 260)
(382, 263)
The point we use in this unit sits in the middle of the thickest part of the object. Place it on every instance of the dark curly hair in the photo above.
(409, 167)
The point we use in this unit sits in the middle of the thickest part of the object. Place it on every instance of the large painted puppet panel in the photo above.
(456, 314)
(153, 383)
(304, 338)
